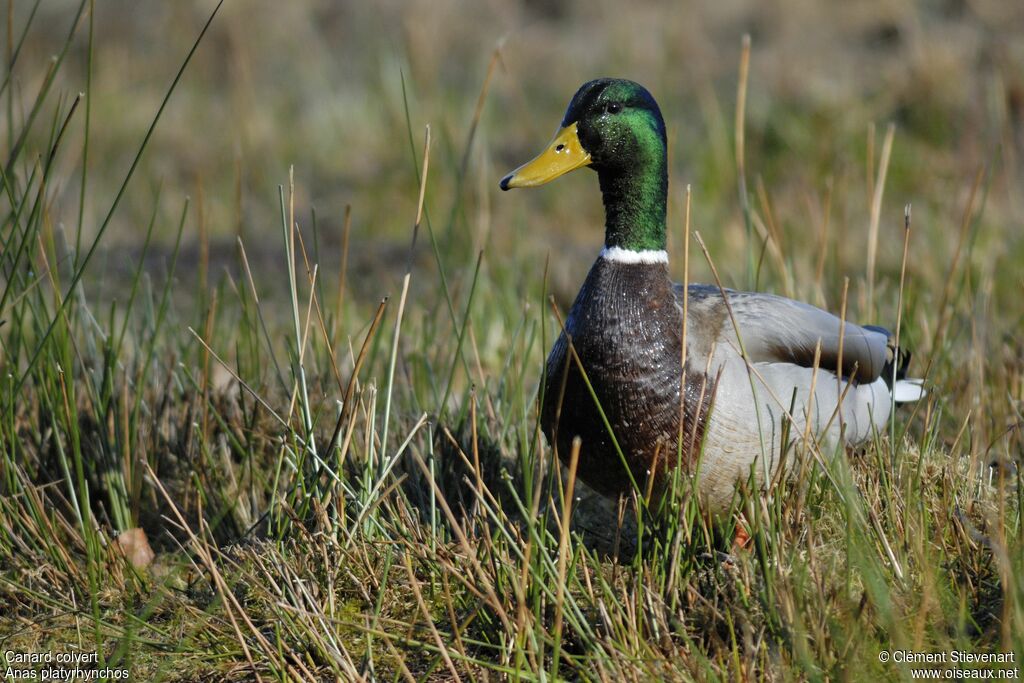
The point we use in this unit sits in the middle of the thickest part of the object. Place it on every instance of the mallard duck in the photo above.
(726, 410)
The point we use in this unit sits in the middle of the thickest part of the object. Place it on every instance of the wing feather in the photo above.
(775, 329)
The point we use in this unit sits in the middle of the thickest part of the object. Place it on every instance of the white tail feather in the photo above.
(908, 390)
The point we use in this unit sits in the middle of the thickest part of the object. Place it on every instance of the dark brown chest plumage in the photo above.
(626, 329)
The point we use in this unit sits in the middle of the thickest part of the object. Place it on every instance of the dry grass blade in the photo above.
(876, 216)
(563, 551)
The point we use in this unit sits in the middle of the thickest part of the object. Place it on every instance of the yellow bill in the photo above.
(564, 154)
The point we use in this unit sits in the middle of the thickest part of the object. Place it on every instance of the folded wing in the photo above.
(775, 329)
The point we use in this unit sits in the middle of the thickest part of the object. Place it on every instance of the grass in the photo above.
(326, 428)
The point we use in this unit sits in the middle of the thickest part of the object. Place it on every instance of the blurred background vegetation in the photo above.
(319, 86)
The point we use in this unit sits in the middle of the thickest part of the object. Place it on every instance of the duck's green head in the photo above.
(615, 127)
(611, 124)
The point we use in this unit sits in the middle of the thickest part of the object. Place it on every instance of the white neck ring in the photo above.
(620, 255)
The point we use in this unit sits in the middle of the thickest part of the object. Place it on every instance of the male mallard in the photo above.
(626, 327)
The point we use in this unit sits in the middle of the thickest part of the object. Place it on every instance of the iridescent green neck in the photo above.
(635, 194)
(635, 186)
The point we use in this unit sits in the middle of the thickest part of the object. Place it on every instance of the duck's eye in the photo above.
(613, 108)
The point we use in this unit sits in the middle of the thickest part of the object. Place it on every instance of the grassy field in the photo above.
(271, 339)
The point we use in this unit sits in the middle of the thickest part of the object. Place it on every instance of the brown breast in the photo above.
(626, 330)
